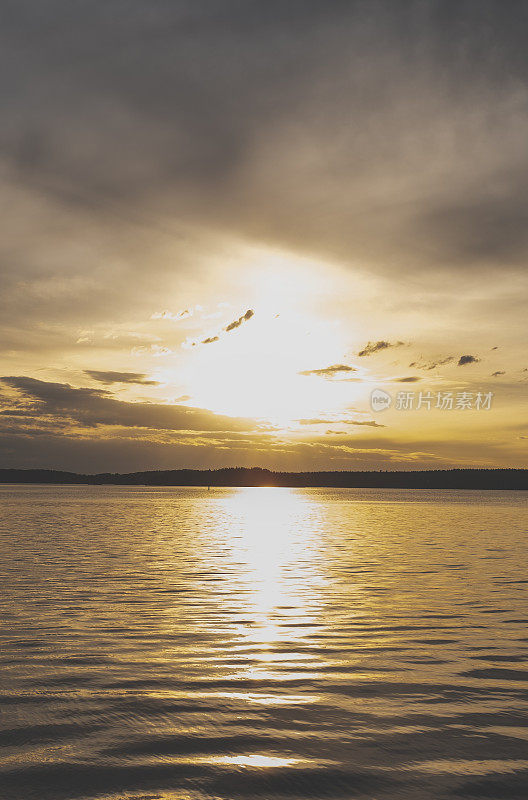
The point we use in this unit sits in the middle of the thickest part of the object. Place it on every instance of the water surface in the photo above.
(181, 644)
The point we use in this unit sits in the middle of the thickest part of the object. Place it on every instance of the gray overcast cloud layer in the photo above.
(389, 133)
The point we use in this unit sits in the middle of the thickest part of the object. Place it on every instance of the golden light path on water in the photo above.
(272, 543)
(261, 643)
(269, 541)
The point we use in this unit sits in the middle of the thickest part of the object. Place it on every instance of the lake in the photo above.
(182, 644)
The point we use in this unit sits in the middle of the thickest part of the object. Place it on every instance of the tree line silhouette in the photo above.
(257, 476)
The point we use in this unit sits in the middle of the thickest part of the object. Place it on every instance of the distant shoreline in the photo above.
(478, 479)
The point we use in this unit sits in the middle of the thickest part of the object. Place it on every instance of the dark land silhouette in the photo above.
(256, 476)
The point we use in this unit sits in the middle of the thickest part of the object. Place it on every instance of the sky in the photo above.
(225, 225)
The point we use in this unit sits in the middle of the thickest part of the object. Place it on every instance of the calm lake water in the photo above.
(181, 644)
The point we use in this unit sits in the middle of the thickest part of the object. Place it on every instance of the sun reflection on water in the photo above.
(257, 643)
(272, 543)
(253, 760)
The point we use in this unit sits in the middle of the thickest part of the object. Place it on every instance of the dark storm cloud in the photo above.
(467, 360)
(389, 132)
(375, 347)
(329, 372)
(94, 407)
(409, 379)
(108, 377)
(238, 322)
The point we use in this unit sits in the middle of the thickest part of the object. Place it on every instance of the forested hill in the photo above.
(242, 476)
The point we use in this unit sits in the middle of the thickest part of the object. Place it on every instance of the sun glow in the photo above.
(254, 371)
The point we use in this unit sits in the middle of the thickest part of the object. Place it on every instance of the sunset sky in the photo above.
(224, 224)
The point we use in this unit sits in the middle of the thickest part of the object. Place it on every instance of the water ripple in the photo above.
(179, 644)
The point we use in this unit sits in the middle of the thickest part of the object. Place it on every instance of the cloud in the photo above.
(497, 373)
(375, 347)
(96, 407)
(429, 365)
(329, 372)
(368, 422)
(467, 360)
(341, 164)
(236, 324)
(385, 139)
(17, 412)
(409, 379)
(156, 350)
(108, 377)
(231, 327)
(55, 444)
(177, 317)
(85, 337)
